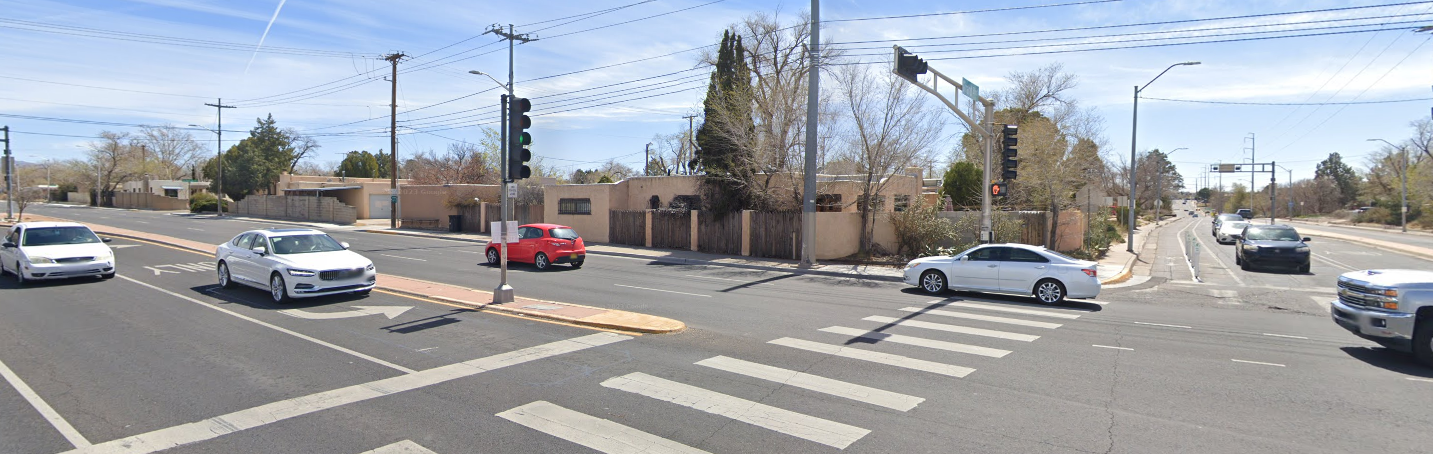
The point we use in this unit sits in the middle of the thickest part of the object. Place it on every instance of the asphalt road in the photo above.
(1169, 365)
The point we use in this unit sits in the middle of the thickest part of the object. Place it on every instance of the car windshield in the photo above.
(303, 244)
(1268, 234)
(1230, 217)
(1235, 225)
(565, 234)
(50, 236)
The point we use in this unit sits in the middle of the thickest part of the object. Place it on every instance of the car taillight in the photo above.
(1091, 272)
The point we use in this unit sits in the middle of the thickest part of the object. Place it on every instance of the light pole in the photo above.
(1133, 135)
(1289, 211)
(504, 292)
(1159, 187)
(1402, 208)
(219, 161)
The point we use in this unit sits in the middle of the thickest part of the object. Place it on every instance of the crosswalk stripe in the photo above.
(953, 328)
(875, 357)
(918, 341)
(592, 432)
(826, 432)
(873, 396)
(1013, 310)
(987, 318)
(402, 447)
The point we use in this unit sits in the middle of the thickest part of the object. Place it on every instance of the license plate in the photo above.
(573, 256)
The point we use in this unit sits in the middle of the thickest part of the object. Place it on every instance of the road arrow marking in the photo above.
(390, 311)
(122, 246)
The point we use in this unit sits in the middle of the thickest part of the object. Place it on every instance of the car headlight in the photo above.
(910, 265)
(105, 256)
(40, 260)
(301, 273)
(370, 267)
(1251, 248)
(1301, 249)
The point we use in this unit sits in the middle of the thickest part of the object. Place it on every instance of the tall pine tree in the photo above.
(723, 153)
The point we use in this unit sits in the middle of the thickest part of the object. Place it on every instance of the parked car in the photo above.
(1227, 231)
(543, 245)
(1390, 307)
(1017, 269)
(1220, 220)
(1245, 212)
(1271, 245)
(55, 250)
(293, 263)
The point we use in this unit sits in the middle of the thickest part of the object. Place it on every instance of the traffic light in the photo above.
(997, 189)
(908, 65)
(518, 138)
(1010, 143)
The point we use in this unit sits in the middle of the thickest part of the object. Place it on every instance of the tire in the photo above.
(1050, 292)
(541, 261)
(1423, 341)
(578, 263)
(494, 257)
(107, 276)
(225, 279)
(1243, 264)
(933, 282)
(1237, 260)
(278, 290)
(1305, 268)
(19, 275)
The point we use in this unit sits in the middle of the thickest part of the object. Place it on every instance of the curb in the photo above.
(1128, 270)
(1377, 244)
(677, 260)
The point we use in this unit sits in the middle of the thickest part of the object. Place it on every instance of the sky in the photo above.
(606, 76)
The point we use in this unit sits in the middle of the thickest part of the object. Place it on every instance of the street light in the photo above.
(1133, 133)
(1403, 209)
(1159, 188)
(219, 159)
(490, 76)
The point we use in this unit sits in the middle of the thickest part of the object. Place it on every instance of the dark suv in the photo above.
(1271, 245)
(1245, 212)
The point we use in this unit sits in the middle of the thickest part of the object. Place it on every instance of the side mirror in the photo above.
(1237, 236)
(7, 244)
(1307, 239)
(260, 250)
(107, 240)
(343, 244)
(965, 258)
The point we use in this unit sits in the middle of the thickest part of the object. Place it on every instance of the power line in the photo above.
(163, 40)
(585, 14)
(1349, 103)
(635, 20)
(104, 88)
(991, 10)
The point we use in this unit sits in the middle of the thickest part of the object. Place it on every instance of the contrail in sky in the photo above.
(265, 35)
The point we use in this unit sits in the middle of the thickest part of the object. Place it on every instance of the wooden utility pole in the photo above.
(691, 140)
(219, 107)
(393, 144)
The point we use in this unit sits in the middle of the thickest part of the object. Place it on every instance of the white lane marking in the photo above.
(389, 311)
(1333, 262)
(826, 432)
(426, 349)
(593, 432)
(273, 327)
(193, 267)
(660, 290)
(141, 222)
(873, 396)
(1102, 303)
(953, 328)
(212, 428)
(1323, 302)
(194, 229)
(917, 341)
(59, 422)
(122, 246)
(1111, 347)
(1013, 310)
(986, 318)
(468, 252)
(714, 278)
(1256, 362)
(402, 447)
(401, 257)
(875, 357)
(1419, 379)
(1213, 252)
(158, 271)
(1286, 336)
(1161, 324)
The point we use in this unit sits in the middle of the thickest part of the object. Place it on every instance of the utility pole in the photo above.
(647, 160)
(9, 175)
(219, 154)
(1252, 160)
(393, 143)
(808, 186)
(691, 140)
(504, 292)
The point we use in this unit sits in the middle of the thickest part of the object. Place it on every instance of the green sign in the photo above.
(970, 89)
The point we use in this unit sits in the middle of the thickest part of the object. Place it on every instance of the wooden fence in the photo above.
(672, 229)
(719, 236)
(322, 209)
(776, 234)
(525, 214)
(627, 227)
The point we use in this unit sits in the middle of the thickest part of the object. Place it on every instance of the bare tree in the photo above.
(171, 150)
(304, 147)
(463, 162)
(115, 158)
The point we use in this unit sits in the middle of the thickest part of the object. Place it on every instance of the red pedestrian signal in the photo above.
(997, 189)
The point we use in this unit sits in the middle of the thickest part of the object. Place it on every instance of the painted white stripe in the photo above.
(402, 447)
(986, 318)
(1102, 303)
(873, 396)
(192, 267)
(826, 432)
(1107, 346)
(402, 257)
(1323, 302)
(663, 291)
(194, 229)
(1161, 324)
(713, 278)
(953, 328)
(875, 357)
(592, 432)
(1419, 379)
(917, 341)
(274, 327)
(59, 422)
(212, 428)
(1013, 310)
(1256, 362)
(1285, 336)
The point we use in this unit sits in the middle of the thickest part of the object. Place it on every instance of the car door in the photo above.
(261, 265)
(979, 270)
(10, 255)
(528, 238)
(1021, 269)
(240, 264)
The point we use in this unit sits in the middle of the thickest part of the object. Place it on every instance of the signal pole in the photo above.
(808, 184)
(504, 292)
(690, 140)
(9, 175)
(393, 144)
(218, 153)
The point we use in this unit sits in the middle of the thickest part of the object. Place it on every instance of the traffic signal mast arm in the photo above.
(908, 65)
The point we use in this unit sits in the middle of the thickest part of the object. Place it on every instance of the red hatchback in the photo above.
(543, 245)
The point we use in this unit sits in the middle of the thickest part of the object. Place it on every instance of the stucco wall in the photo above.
(438, 201)
(838, 234)
(593, 227)
(641, 189)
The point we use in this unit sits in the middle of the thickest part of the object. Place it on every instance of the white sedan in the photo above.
(54, 250)
(1018, 269)
(293, 263)
(1228, 229)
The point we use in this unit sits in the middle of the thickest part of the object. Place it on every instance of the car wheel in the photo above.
(1304, 268)
(19, 275)
(1243, 264)
(277, 290)
(494, 257)
(225, 281)
(1050, 292)
(933, 282)
(107, 276)
(578, 263)
(1237, 260)
(1423, 341)
(541, 261)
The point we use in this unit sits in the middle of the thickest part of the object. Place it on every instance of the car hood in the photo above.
(319, 261)
(1393, 278)
(60, 251)
(1274, 243)
(932, 259)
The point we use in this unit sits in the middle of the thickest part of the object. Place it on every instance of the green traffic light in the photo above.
(525, 139)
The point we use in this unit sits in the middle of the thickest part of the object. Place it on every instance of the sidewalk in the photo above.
(477, 299)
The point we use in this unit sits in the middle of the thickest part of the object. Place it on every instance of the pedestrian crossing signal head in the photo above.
(997, 189)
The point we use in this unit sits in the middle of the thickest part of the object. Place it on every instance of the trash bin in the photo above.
(455, 223)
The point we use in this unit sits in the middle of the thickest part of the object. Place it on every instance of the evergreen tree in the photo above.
(1343, 177)
(727, 127)
(358, 164)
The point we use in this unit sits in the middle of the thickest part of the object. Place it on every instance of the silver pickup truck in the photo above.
(1391, 307)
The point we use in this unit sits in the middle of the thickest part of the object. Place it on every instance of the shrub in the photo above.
(205, 201)
(919, 228)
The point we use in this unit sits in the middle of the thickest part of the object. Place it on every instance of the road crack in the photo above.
(1114, 382)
